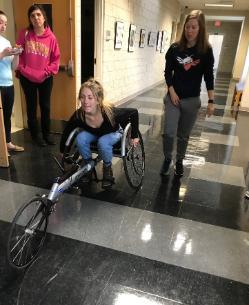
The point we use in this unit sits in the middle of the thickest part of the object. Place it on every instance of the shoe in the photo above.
(179, 168)
(165, 169)
(16, 148)
(39, 142)
(247, 195)
(49, 140)
(108, 179)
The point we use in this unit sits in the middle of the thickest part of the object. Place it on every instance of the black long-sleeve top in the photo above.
(184, 70)
(121, 116)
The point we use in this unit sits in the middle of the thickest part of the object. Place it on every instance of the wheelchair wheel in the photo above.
(134, 162)
(71, 155)
(27, 233)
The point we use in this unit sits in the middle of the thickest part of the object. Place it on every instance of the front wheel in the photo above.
(27, 233)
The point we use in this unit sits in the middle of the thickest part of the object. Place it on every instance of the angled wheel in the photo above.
(27, 233)
(71, 153)
(134, 162)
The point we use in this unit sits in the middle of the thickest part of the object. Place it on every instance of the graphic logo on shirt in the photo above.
(187, 62)
(36, 47)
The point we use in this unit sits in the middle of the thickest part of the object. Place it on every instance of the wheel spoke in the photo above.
(27, 233)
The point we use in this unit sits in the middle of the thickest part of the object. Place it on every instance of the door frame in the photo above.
(98, 39)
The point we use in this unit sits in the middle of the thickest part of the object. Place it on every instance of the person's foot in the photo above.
(179, 168)
(165, 169)
(49, 140)
(108, 179)
(247, 195)
(39, 142)
(15, 148)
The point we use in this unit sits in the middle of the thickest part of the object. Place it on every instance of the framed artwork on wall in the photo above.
(159, 41)
(165, 41)
(142, 39)
(119, 34)
(131, 42)
(152, 39)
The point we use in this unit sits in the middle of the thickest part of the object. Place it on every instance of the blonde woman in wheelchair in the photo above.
(101, 123)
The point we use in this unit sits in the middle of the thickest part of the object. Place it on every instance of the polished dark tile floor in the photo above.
(209, 196)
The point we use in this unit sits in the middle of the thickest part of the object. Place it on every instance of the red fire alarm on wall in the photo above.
(217, 23)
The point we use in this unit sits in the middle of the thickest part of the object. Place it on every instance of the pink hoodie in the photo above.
(41, 56)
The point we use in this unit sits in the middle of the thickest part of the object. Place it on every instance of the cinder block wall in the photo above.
(128, 73)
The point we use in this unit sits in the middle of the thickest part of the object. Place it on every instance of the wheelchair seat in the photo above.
(133, 157)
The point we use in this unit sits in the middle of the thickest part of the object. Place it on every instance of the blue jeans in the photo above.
(104, 143)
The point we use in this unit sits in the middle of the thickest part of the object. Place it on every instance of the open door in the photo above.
(61, 17)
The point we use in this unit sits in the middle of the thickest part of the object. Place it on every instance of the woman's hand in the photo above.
(6, 52)
(210, 109)
(135, 141)
(173, 96)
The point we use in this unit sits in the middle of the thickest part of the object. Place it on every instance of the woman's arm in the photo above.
(15, 62)
(168, 74)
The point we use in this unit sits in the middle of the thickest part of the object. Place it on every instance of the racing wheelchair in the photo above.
(28, 229)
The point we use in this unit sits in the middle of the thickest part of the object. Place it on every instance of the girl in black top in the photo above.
(187, 61)
(101, 123)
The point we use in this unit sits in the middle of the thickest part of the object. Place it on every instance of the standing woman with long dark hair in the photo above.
(38, 64)
(187, 61)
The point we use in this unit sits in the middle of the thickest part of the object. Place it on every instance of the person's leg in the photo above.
(45, 90)
(189, 112)
(83, 141)
(30, 92)
(172, 114)
(7, 95)
(105, 148)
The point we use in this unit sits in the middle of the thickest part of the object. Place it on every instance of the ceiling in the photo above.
(199, 4)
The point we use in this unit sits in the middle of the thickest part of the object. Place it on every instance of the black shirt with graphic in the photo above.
(184, 70)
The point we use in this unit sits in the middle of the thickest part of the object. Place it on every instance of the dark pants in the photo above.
(7, 95)
(44, 91)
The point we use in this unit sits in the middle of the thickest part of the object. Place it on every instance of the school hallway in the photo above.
(175, 241)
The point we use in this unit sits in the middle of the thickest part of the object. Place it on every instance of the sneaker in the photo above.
(108, 179)
(39, 142)
(49, 140)
(179, 168)
(165, 169)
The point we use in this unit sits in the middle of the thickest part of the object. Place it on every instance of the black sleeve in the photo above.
(169, 67)
(123, 116)
(209, 69)
(70, 126)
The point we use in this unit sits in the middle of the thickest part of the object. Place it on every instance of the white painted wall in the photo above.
(124, 73)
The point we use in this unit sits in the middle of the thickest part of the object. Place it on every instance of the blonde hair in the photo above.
(202, 38)
(98, 92)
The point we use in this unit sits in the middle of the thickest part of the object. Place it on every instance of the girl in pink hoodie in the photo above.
(37, 65)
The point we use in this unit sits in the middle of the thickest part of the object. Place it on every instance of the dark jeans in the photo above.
(7, 95)
(32, 91)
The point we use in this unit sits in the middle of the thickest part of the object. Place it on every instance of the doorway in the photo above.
(87, 39)
(216, 42)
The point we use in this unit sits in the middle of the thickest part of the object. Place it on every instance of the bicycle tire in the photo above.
(27, 233)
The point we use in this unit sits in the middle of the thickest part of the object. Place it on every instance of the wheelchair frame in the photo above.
(28, 229)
